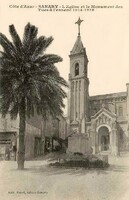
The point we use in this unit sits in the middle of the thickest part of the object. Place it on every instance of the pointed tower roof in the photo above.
(78, 46)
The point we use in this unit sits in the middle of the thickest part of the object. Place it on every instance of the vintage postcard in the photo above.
(64, 100)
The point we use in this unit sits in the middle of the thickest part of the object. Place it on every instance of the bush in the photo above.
(96, 164)
(78, 160)
(72, 163)
(78, 153)
(77, 163)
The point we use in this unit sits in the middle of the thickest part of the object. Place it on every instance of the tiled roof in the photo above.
(106, 96)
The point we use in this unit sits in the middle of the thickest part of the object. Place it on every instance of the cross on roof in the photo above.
(79, 21)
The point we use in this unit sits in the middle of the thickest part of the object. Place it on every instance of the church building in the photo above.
(101, 121)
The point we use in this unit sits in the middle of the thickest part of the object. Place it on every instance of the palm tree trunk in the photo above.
(21, 150)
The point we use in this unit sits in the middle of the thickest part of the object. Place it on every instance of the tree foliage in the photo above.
(28, 72)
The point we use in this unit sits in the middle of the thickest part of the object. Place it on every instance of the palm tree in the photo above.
(29, 80)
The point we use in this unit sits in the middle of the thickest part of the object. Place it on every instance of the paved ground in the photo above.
(38, 181)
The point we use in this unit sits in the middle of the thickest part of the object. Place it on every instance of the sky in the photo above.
(104, 33)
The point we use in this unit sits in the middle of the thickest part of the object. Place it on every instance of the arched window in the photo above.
(120, 111)
(76, 69)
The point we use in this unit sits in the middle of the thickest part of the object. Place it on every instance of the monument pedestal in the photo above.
(79, 143)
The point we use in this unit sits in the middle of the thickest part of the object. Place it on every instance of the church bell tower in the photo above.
(78, 102)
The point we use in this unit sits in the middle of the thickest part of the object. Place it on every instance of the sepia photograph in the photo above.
(64, 100)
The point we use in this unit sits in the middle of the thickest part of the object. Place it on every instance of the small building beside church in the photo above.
(102, 120)
(9, 137)
(40, 136)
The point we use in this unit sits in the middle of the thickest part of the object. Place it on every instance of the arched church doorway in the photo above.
(104, 138)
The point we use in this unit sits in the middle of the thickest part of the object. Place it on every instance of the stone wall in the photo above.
(32, 133)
